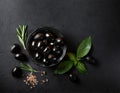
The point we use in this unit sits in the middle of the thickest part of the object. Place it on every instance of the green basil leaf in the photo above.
(81, 67)
(84, 47)
(72, 58)
(64, 67)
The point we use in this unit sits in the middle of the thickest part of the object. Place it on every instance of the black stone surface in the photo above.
(76, 19)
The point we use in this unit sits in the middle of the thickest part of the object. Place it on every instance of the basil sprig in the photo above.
(22, 34)
(75, 60)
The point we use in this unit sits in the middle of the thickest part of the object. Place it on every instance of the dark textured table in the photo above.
(76, 19)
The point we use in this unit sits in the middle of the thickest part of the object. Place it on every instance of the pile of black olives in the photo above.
(46, 46)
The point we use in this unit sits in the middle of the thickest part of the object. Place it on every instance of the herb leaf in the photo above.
(64, 67)
(72, 58)
(22, 34)
(81, 67)
(84, 47)
(27, 67)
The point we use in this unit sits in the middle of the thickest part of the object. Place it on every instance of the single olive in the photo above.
(33, 44)
(73, 77)
(47, 50)
(39, 36)
(52, 43)
(90, 60)
(38, 56)
(39, 44)
(15, 49)
(45, 42)
(21, 56)
(52, 58)
(59, 41)
(46, 62)
(51, 39)
(49, 35)
(17, 72)
(57, 51)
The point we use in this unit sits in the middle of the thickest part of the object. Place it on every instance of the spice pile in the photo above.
(31, 79)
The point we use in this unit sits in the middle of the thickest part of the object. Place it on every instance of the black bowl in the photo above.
(46, 46)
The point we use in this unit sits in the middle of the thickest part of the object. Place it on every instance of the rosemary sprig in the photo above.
(27, 67)
(22, 34)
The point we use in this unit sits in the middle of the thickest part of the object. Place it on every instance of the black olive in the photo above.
(52, 58)
(15, 49)
(51, 43)
(59, 41)
(90, 60)
(39, 36)
(45, 42)
(73, 78)
(51, 39)
(21, 57)
(47, 50)
(40, 44)
(17, 72)
(57, 51)
(37, 56)
(46, 62)
(33, 44)
(55, 48)
(48, 35)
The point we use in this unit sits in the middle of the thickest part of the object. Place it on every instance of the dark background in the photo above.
(76, 19)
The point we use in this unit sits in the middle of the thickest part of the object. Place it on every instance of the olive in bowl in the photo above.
(46, 46)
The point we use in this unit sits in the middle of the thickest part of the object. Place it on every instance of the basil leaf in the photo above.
(64, 67)
(72, 58)
(81, 67)
(84, 47)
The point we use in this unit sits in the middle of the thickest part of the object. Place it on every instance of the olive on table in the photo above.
(90, 60)
(73, 77)
(17, 72)
(15, 49)
(21, 56)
